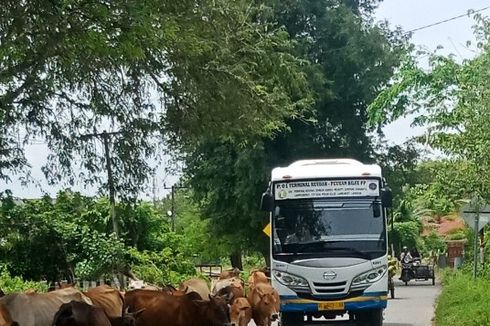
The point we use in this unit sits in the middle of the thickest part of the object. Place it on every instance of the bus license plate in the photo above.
(334, 305)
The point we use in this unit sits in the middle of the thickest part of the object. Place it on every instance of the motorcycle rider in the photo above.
(406, 261)
(405, 256)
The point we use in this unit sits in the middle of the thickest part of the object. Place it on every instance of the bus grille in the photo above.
(330, 288)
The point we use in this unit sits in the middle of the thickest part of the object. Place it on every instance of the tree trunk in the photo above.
(265, 251)
(236, 260)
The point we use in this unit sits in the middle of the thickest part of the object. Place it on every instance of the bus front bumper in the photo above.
(366, 301)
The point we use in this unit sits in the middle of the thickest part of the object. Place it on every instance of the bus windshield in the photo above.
(329, 228)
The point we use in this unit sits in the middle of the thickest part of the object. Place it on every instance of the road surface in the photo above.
(413, 306)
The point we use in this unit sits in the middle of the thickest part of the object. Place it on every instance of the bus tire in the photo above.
(292, 319)
(370, 317)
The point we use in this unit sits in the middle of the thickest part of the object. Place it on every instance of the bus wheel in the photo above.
(292, 319)
(370, 317)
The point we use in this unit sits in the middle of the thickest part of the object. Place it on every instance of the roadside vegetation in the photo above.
(451, 99)
(463, 301)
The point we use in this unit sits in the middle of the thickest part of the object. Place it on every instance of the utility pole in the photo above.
(105, 136)
(172, 209)
(154, 190)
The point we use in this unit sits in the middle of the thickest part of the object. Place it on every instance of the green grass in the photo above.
(463, 301)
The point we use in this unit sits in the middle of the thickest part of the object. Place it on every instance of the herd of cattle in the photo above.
(192, 304)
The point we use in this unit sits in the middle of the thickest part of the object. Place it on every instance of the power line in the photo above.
(447, 20)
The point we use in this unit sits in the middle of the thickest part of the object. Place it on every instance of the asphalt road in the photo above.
(413, 306)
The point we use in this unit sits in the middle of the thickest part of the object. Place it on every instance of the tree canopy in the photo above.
(157, 72)
(349, 59)
(451, 100)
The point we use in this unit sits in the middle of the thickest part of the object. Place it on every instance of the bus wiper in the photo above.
(353, 250)
(303, 245)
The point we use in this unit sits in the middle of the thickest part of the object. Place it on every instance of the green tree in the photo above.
(451, 99)
(71, 68)
(348, 58)
(69, 237)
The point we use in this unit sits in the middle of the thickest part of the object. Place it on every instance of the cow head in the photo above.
(268, 301)
(137, 284)
(128, 318)
(240, 312)
(214, 312)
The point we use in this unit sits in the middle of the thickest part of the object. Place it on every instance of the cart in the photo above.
(418, 271)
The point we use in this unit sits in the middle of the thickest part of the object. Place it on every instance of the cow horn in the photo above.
(139, 312)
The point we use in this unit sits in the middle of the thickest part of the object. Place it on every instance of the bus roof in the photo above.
(325, 168)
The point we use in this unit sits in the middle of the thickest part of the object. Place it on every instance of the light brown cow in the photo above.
(107, 298)
(240, 312)
(221, 284)
(265, 304)
(5, 319)
(39, 309)
(196, 285)
(235, 272)
(257, 277)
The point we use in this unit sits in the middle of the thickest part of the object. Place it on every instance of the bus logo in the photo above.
(330, 275)
(283, 194)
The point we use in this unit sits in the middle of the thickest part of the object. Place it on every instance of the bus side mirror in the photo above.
(266, 203)
(387, 197)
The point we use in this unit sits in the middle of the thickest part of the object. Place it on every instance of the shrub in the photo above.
(463, 301)
(9, 284)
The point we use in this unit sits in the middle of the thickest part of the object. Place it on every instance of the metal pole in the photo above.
(110, 182)
(475, 258)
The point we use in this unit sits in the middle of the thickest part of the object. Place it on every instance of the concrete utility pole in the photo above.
(172, 209)
(477, 240)
(105, 136)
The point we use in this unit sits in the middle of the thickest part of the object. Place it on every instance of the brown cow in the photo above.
(107, 298)
(163, 309)
(38, 309)
(5, 319)
(257, 277)
(232, 293)
(77, 313)
(235, 272)
(265, 304)
(240, 312)
(196, 285)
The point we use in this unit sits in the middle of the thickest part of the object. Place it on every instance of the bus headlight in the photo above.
(291, 281)
(369, 277)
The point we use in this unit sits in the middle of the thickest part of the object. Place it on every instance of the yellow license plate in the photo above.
(334, 305)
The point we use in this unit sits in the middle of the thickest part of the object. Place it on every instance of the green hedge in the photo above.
(9, 284)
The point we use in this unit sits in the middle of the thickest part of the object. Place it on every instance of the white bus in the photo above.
(329, 240)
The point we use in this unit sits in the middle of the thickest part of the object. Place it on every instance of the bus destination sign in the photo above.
(326, 189)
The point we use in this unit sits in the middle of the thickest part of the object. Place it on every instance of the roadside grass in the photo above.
(463, 301)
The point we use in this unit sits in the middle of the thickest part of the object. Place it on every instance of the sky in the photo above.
(409, 14)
